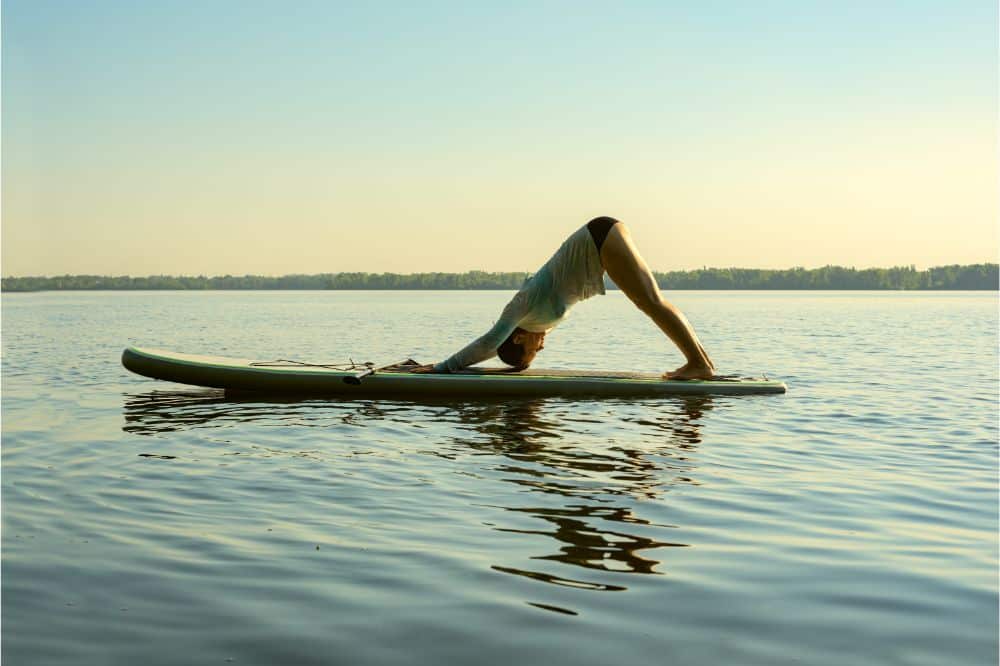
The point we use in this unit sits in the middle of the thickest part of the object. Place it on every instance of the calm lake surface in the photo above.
(851, 521)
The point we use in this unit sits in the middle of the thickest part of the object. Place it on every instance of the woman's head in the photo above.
(520, 347)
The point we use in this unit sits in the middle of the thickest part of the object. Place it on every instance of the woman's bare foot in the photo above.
(691, 371)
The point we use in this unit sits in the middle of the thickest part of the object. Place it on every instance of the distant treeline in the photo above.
(956, 277)
(975, 277)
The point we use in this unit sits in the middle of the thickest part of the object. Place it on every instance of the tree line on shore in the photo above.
(954, 277)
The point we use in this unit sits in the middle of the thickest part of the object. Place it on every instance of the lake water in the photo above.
(851, 521)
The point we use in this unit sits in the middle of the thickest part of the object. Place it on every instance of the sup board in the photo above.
(295, 377)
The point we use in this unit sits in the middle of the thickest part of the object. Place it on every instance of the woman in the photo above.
(576, 272)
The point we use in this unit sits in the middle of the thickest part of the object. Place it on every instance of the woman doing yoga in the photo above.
(574, 273)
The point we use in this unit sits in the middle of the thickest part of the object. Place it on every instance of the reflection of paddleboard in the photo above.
(291, 377)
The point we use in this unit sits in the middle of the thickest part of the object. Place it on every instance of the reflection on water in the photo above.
(545, 447)
(586, 545)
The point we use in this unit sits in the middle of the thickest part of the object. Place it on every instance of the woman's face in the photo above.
(532, 344)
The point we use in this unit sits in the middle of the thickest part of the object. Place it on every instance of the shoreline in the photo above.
(955, 277)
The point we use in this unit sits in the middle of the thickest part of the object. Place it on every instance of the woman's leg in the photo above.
(629, 271)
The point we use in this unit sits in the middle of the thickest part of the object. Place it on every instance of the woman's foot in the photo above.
(691, 371)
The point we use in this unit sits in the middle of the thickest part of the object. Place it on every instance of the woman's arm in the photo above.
(481, 349)
(485, 346)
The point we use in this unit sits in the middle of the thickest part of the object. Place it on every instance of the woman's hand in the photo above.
(424, 369)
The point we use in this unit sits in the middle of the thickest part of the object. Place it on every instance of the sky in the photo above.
(315, 137)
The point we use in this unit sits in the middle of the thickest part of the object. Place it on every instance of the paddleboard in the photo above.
(281, 376)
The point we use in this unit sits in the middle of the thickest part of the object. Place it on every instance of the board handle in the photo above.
(355, 379)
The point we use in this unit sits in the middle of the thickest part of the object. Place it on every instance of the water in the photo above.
(850, 521)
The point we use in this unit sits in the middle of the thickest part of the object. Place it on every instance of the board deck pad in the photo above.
(283, 376)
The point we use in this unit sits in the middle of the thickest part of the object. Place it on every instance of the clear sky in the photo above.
(261, 137)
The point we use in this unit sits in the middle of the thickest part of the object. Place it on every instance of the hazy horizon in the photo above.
(239, 139)
(472, 270)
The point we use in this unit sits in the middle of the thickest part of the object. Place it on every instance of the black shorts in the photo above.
(599, 227)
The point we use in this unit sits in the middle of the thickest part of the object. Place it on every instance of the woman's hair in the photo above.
(512, 353)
